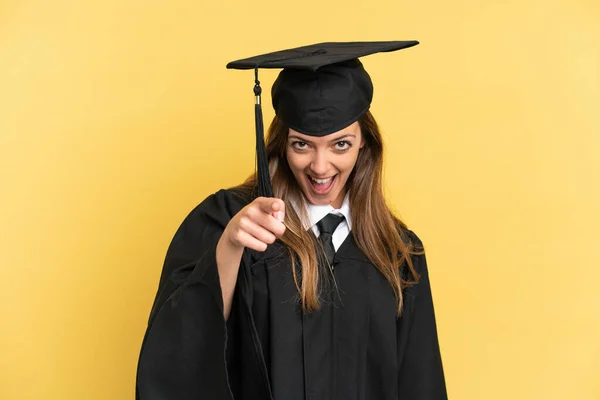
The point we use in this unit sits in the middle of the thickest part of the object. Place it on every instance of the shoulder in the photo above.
(416, 251)
(411, 239)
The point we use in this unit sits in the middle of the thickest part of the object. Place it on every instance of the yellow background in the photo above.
(118, 117)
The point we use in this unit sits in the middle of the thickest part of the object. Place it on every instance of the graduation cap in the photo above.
(322, 89)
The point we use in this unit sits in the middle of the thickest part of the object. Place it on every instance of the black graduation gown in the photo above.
(353, 348)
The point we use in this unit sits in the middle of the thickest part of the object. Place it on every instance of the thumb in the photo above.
(278, 207)
(279, 215)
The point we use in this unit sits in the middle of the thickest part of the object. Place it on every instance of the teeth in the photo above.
(321, 181)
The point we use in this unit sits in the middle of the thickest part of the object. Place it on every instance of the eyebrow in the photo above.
(347, 135)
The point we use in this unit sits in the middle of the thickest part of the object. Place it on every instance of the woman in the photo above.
(314, 292)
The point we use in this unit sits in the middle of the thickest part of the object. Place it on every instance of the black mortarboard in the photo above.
(323, 88)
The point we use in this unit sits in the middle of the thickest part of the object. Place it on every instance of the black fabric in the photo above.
(317, 103)
(323, 87)
(315, 56)
(354, 348)
(327, 226)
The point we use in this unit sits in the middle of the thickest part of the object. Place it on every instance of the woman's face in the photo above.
(322, 165)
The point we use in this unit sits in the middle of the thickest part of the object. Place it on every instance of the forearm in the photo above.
(228, 263)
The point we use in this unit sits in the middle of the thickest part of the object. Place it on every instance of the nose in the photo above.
(319, 164)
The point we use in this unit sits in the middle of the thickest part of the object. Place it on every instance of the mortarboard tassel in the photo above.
(265, 187)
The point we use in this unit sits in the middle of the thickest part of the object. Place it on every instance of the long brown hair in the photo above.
(377, 232)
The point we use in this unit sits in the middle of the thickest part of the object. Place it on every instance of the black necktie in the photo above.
(326, 228)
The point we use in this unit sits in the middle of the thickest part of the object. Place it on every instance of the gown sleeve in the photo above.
(183, 351)
(421, 374)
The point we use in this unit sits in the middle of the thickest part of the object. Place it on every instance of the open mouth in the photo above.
(321, 186)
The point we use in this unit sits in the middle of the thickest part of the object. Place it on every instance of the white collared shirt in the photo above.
(318, 212)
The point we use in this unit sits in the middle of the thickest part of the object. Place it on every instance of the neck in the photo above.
(337, 203)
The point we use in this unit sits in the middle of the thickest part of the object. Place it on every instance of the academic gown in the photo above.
(354, 348)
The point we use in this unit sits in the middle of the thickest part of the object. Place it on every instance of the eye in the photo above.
(343, 145)
(298, 145)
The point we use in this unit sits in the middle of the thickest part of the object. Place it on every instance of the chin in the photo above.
(320, 201)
